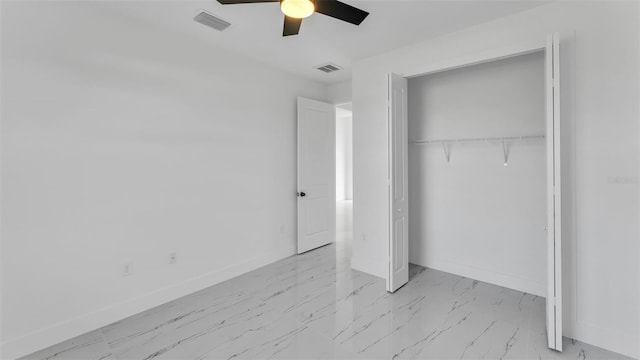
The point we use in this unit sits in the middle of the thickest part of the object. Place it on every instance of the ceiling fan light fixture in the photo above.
(298, 9)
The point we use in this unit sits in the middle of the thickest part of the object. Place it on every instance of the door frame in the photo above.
(517, 48)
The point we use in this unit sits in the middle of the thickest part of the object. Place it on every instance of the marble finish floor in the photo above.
(314, 306)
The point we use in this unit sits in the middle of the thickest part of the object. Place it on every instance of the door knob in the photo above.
(302, 194)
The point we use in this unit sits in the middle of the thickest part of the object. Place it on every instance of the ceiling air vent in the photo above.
(211, 21)
(328, 68)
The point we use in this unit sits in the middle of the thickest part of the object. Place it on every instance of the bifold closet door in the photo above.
(554, 228)
(398, 184)
(316, 174)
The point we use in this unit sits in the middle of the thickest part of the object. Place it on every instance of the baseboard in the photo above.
(69, 329)
(369, 267)
(484, 275)
(610, 339)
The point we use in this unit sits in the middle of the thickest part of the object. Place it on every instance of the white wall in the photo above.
(503, 208)
(600, 114)
(122, 141)
(344, 151)
(339, 93)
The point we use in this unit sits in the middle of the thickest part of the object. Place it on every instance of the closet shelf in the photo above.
(476, 140)
(504, 140)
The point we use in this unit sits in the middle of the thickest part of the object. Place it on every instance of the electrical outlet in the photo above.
(173, 258)
(282, 228)
(127, 269)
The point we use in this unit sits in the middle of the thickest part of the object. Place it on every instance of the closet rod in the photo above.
(488, 139)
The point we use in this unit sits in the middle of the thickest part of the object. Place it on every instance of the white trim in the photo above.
(524, 46)
(389, 274)
(557, 163)
(528, 286)
(1, 232)
(607, 338)
(637, 349)
(69, 329)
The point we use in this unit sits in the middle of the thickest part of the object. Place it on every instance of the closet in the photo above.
(477, 172)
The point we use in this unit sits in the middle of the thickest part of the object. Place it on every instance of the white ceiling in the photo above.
(256, 29)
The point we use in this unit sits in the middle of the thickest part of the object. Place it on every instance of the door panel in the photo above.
(317, 217)
(554, 228)
(398, 202)
(399, 226)
(316, 174)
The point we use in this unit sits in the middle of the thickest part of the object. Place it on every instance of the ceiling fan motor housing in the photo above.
(296, 10)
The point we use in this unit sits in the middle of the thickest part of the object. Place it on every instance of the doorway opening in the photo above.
(325, 175)
(344, 175)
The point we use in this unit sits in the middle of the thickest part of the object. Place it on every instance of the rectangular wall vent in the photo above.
(211, 21)
(328, 68)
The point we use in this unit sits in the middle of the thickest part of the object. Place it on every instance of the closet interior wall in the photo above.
(470, 214)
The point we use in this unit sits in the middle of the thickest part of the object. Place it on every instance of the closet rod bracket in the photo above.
(447, 153)
(505, 152)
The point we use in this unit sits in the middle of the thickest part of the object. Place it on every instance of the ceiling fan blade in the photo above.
(340, 10)
(229, 2)
(291, 26)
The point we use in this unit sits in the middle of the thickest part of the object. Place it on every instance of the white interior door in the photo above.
(554, 228)
(316, 174)
(398, 185)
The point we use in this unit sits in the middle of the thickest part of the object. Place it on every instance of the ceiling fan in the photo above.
(296, 10)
